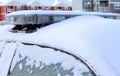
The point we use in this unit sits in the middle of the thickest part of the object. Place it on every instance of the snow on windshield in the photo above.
(34, 60)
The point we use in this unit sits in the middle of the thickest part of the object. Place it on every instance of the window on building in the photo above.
(103, 3)
(117, 5)
(47, 8)
(39, 7)
(18, 8)
(9, 9)
(87, 6)
(59, 8)
(25, 7)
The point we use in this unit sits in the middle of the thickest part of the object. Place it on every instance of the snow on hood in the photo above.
(94, 38)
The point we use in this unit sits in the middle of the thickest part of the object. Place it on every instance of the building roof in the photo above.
(60, 3)
(35, 3)
(12, 3)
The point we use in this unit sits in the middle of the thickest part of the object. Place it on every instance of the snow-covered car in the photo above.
(80, 46)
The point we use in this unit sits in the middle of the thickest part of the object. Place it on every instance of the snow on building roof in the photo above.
(60, 3)
(12, 3)
(35, 3)
(44, 2)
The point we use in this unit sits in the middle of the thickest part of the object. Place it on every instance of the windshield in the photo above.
(39, 60)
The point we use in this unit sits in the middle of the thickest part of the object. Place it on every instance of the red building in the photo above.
(13, 5)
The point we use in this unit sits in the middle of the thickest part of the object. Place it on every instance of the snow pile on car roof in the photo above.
(48, 12)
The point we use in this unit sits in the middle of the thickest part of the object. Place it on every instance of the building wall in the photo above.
(97, 5)
(114, 0)
(113, 9)
(83, 5)
(77, 5)
(111, 6)
(90, 4)
(8, 9)
(2, 13)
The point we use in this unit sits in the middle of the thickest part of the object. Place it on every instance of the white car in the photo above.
(80, 46)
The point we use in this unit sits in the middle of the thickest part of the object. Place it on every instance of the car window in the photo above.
(33, 60)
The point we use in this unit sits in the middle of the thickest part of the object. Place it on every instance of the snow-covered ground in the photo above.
(95, 39)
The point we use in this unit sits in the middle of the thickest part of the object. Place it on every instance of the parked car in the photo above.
(34, 19)
(73, 47)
